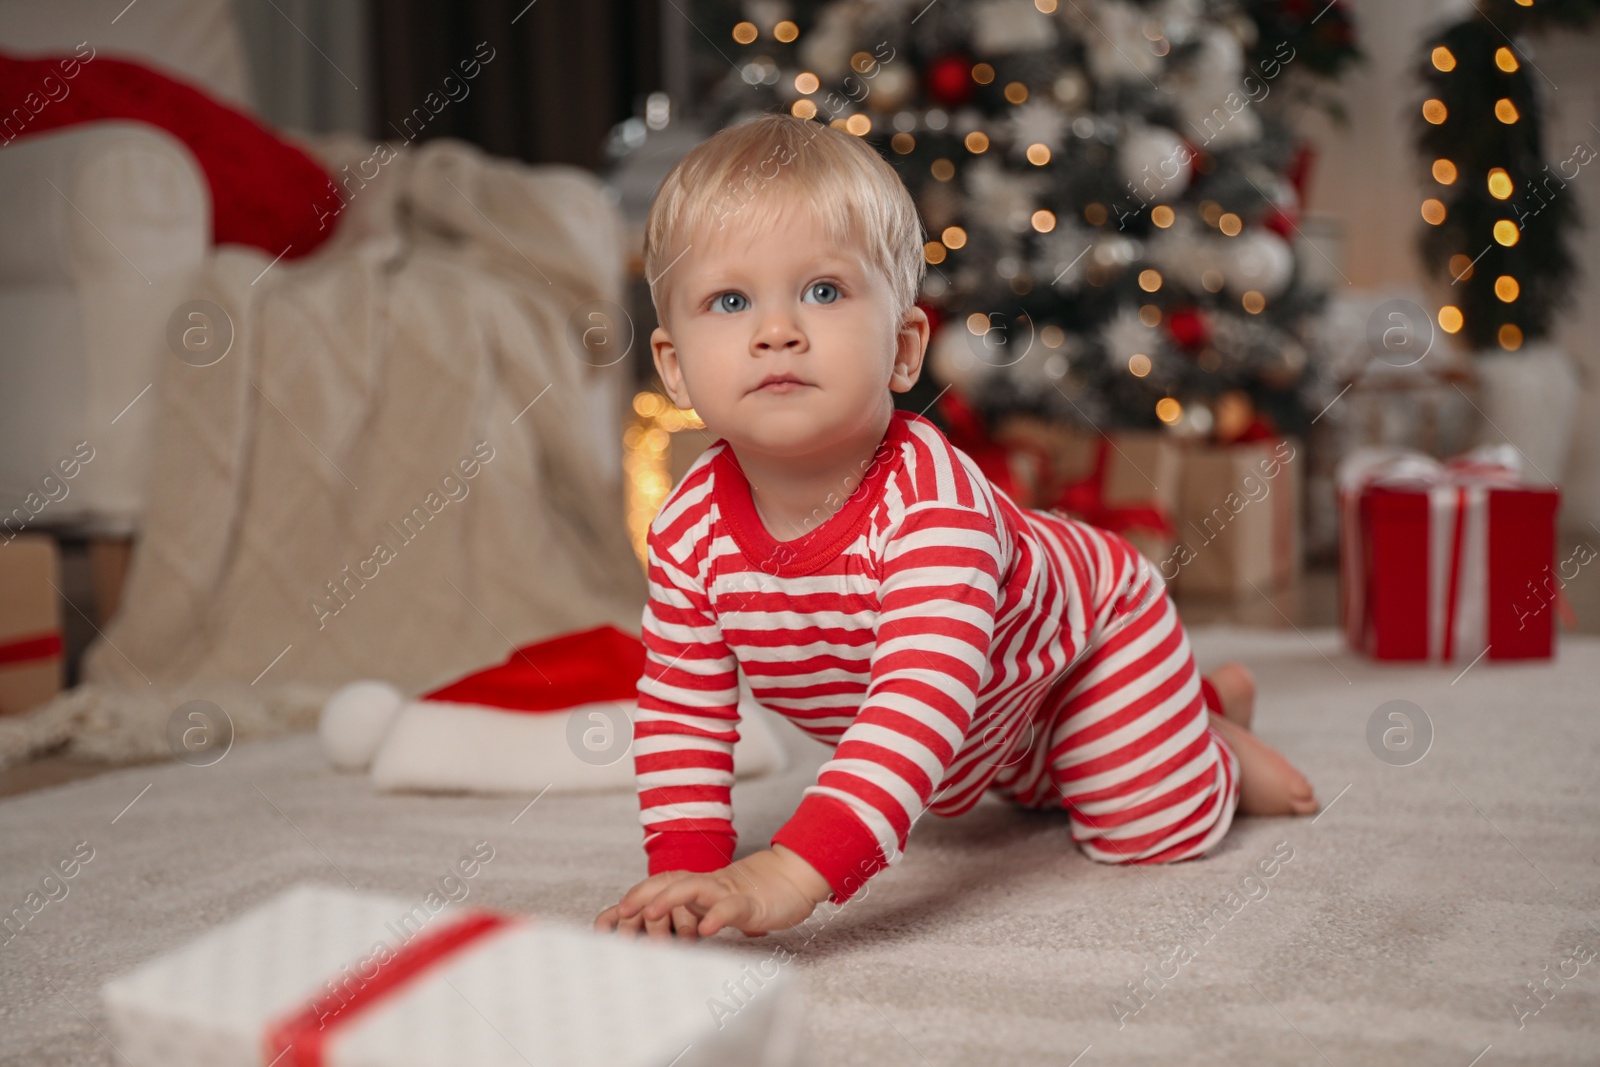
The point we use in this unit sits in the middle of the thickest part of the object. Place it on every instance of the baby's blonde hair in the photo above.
(729, 179)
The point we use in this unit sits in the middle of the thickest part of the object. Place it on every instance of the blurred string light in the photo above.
(645, 467)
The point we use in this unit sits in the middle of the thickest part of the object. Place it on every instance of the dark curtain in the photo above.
(558, 75)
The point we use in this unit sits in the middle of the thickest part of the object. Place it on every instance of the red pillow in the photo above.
(265, 192)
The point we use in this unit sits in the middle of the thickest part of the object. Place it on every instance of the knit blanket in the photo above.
(372, 462)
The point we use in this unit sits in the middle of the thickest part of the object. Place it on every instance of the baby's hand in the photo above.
(769, 890)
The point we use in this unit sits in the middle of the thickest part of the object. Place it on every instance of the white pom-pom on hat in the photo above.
(355, 720)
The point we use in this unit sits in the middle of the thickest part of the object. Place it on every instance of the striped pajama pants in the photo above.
(1122, 740)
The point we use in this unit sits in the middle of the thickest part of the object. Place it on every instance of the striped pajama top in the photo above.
(916, 629)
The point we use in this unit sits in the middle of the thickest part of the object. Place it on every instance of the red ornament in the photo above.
(1280, 222)
(950, 80)
(1299, 170)
(935, 318)
(1188, 327)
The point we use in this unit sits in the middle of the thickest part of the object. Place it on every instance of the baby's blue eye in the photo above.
(720, 303)
(825, 288)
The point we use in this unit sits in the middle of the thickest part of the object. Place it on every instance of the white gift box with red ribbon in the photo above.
(328, 976)
(1434, 556)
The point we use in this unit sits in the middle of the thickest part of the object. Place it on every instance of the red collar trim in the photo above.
(823, 543)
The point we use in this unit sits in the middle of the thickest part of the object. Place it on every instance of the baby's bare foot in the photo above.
(1236, 686)
(1268, 783)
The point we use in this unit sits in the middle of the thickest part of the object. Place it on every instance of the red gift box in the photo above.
(1436, 559)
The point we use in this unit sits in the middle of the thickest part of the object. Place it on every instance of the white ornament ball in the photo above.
(890, 87)
(1156, 162)
(1219, 64)
(1259, 260)
(355, 721)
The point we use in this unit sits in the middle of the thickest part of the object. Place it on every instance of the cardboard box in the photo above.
(1239, 519)
(1126, 481)
(31, 649)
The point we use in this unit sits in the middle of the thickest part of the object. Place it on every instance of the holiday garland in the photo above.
(1497, 219)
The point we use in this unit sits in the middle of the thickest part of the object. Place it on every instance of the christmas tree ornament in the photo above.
(1260, 261)
(949, 80)
(891, 87)
(1188, 326)
(1155, 162)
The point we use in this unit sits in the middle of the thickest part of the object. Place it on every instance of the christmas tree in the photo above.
(1497, 227)
(1110, 189)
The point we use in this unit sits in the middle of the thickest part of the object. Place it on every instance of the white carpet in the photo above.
(1403, 930)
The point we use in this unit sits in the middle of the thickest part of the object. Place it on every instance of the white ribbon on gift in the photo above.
(1458, 494)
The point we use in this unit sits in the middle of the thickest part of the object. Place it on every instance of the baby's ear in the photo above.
(665, 354)
(911, 345)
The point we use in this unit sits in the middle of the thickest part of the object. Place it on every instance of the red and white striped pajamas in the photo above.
(945, 641)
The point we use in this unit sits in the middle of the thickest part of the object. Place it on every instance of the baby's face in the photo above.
(744, 306)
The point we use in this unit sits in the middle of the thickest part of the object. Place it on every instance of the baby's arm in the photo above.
(938, 596)
(685, 725)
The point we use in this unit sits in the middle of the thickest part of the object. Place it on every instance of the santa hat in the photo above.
(556, 714)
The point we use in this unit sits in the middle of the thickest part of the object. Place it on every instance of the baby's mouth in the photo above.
(781, 384)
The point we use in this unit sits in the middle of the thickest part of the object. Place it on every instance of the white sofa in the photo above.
(103, 229)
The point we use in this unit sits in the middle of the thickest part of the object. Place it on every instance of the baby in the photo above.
(871, 584)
